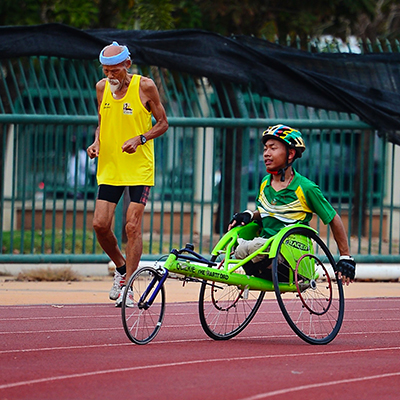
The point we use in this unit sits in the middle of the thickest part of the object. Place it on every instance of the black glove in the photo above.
(242, 218)
(347, 267)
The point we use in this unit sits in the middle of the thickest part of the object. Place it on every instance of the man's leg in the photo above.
(259, 265)
(102, 221)
(133, 230)
(247, 247)
(134, 248)
(103, 216)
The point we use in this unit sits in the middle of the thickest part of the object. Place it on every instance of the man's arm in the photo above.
(94, 148)
(151, 100)
(346, 265)
(339, 233)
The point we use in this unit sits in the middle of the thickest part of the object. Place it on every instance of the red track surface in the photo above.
(81, 352)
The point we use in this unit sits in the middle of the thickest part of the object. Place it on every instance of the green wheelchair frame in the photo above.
(303, 278)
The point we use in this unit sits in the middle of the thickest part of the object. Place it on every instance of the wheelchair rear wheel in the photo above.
(143, 320)
(308, 293)
(225, 310)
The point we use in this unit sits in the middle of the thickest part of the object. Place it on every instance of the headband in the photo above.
(114, 60)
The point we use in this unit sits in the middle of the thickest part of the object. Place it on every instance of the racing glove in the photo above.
(242, 218)
(346, 266)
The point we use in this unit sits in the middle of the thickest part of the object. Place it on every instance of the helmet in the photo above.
(289, 136)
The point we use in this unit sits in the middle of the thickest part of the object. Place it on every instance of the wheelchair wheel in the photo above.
(143, 321)
(225, 310)
(309, 295)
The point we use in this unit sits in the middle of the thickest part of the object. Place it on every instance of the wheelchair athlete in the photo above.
(286, 197)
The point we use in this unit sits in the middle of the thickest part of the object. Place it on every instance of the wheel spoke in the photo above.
(315, 306)
(141, 324)
(224, 311)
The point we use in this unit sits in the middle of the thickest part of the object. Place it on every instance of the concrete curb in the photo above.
(382, 272)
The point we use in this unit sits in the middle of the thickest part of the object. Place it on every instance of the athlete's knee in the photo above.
(247, 247)
(100, 226)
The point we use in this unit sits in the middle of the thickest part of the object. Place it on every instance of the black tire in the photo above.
(225, 310)
(314, 304)
(142, 322)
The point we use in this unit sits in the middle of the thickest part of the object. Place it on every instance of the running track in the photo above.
(81, 352)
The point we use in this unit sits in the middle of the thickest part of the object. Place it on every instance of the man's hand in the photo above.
(242, 218)
(346, 269)
(131, 145)
(93, 150)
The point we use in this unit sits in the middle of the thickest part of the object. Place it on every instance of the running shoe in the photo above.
(119, 281)
(129, 298)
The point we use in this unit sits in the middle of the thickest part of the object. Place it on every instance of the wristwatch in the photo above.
(143, 139)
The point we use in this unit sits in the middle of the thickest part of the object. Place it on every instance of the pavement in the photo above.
(91, 290)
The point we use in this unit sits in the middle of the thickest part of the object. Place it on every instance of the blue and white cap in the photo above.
(114, 60)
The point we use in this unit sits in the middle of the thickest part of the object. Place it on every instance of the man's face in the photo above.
(275, 155)
(116, 73)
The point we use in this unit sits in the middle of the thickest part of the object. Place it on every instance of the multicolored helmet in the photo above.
(286, 135)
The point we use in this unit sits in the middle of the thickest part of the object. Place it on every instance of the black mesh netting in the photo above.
(366, 85)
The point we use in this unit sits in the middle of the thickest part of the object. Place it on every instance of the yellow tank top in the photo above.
(121, 120)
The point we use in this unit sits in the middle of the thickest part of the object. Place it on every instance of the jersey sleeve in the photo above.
(319, 204)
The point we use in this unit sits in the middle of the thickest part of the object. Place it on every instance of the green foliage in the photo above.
(67, 242)
(76, 13)
(261, 18)
(63, 242)
(154, 14)
(188, 15)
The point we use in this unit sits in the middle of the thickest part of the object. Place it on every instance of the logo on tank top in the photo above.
(127, 110)
(106, 105)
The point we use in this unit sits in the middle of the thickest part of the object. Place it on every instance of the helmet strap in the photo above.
(282, 171)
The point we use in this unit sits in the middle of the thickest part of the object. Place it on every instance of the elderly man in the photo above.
(124, 145)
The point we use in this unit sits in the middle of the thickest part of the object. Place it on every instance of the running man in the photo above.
(124, 145)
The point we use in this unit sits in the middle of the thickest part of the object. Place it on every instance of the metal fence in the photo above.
(48, 193)
(208, 165)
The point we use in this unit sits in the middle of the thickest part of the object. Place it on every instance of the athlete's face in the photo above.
(275, 155)
(117, 71)
(116, 75)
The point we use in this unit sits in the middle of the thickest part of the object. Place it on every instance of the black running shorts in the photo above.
(112, 194)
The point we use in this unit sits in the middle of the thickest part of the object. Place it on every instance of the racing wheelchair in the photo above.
(298, 267)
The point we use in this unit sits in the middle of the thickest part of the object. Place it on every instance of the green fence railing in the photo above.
(208, 164)
(46, 211)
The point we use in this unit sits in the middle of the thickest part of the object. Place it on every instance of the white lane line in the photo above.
(319, 385)
(174, 341)
(184, 314)
(106, 328)
(23, 319)
(193, 362)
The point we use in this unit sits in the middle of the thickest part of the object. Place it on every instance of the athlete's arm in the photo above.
(94, 148)
(339, 233)
(151, 100)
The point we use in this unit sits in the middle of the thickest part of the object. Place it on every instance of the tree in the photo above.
(261, 18)
(273, 17)
(84, 14)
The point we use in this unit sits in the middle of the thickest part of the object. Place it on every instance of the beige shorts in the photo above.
(247, 247)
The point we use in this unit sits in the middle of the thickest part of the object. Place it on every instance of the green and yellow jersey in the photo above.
(296, 203)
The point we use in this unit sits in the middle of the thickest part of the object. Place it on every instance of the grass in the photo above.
(61, 242)
(49, 275)
(68, 241)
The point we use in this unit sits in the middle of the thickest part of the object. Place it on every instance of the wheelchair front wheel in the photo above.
(308, 293)
(143, 320)
(225, 310)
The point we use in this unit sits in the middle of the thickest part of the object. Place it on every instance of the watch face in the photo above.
(143, 139)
